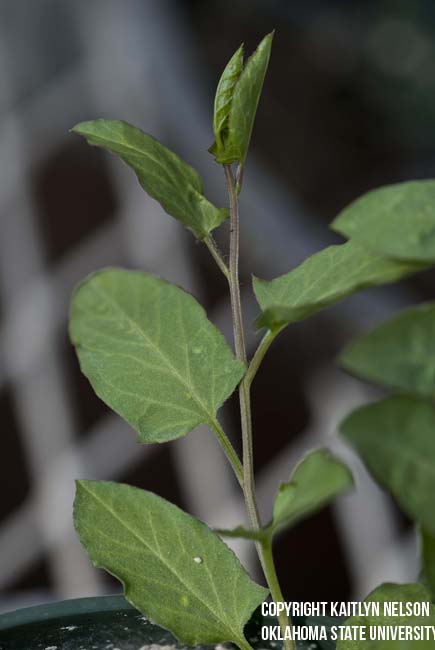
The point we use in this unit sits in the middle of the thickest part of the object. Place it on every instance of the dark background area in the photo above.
(348, 105)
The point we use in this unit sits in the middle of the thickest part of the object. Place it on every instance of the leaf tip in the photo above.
(266, 41)
(81, 485)
(80, 128)
(240, 51)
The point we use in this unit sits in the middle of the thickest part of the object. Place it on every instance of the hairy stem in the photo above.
(244, 394)
(236, 305)
(239, 344)
(216, 254)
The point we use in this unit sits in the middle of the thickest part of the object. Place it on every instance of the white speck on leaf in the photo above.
(197, 559)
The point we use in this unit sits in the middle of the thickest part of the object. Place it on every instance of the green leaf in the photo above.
(244, 533)
(161, 173)
(384, 595)
(242, 90)
(397, 220)
(317, 480)
(323, 279)
(400, 353)
(173, 567)
(223, 99)
(428, 559)
(395, 438)
(150, 353)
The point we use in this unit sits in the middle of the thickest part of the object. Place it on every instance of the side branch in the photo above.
(229, 451)
(259, 355)
(216, 254)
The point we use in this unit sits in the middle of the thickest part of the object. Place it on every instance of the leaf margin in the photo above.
(80, 486)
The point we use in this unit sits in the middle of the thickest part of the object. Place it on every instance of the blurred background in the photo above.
(348, 105)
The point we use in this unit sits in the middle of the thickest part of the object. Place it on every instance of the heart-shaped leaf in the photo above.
(150, 353)
(162, 174)
(399, 353)
(323, 279)
(395, 438)
(173, 567)
(237, 99)
(397, 220)
(385, 595)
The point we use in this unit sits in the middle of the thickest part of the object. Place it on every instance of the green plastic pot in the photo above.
(107, 623)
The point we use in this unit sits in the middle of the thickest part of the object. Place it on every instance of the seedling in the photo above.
(152, 355)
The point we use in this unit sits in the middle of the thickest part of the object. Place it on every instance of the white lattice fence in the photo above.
(134, 60)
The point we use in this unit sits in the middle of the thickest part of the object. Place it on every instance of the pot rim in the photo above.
(63, 609)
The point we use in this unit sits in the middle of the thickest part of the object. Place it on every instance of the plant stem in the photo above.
(229, 451)
(214, 250)
(248, 487)
(239, 178)
(258, 357)
(243, 644)
(275, 589)
(236, 305)
(239, 344)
